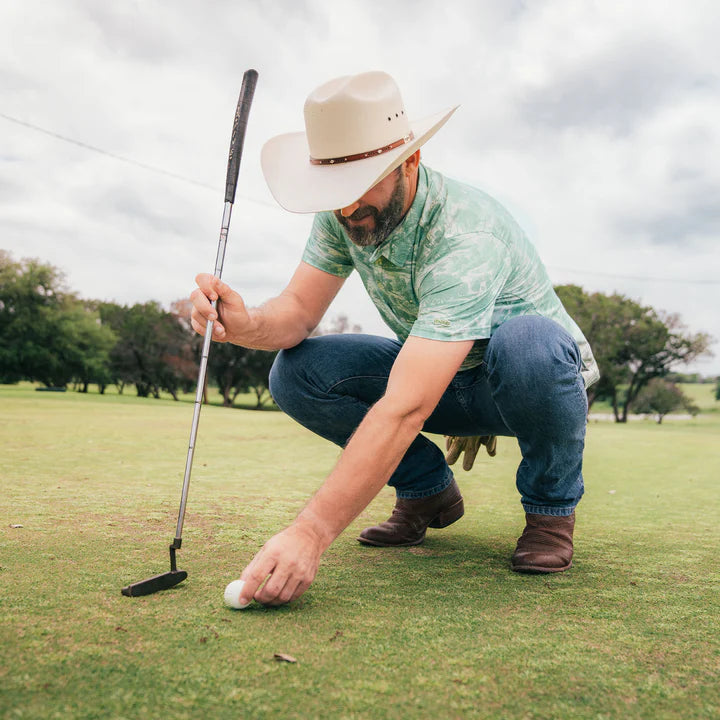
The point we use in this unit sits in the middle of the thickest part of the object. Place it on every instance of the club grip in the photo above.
(238, 133)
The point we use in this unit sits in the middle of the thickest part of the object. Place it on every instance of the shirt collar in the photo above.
(398, 245)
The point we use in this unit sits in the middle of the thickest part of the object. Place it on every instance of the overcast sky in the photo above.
(596, 123)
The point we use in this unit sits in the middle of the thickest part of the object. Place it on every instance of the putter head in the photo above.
(155, 583)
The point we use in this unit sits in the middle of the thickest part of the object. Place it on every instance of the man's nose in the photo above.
(350, 209)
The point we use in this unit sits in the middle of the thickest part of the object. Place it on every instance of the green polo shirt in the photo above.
(455, 268)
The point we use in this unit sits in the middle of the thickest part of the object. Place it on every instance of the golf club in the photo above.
(174, 576)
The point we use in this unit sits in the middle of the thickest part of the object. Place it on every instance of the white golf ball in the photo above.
(232, 595)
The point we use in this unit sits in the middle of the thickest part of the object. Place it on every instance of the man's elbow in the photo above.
(408, 416)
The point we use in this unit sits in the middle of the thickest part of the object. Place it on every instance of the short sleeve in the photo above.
(326, 248)
(459, 286)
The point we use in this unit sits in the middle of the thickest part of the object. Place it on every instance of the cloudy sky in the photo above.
(596, 123)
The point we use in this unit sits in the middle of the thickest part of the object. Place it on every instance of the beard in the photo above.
(385, 220)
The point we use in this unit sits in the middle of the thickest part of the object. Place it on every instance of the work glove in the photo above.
(470, 446)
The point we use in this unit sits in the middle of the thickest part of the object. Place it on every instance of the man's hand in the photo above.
(231, 319)
(470, 446)
(287, 564)
(280, 322)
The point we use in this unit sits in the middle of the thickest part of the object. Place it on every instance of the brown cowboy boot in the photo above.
(546, 544)
(410, 519)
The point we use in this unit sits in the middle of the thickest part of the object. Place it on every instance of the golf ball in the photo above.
(232, 595)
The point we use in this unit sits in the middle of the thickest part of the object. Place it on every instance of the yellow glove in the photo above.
(470, 446)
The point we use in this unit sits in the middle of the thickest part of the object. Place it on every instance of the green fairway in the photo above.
(440, 630)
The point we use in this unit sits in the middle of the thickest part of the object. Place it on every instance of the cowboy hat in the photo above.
(356, 133)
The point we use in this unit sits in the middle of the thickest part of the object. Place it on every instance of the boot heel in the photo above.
(448, 516)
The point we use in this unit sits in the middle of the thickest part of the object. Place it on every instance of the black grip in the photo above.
(238, 133)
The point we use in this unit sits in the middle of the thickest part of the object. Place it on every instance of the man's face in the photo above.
(377, 213)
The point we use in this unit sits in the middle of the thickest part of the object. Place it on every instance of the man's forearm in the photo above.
(275, 325)
(280, 323)
(370, 458)
(288, 562)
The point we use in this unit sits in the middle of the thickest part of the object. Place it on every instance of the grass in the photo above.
(442, 629)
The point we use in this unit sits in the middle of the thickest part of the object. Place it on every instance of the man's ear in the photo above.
(411, 164)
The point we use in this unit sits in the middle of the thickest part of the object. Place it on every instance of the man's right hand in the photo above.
(231, 319)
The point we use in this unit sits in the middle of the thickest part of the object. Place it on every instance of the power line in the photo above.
(121, 158)
(640, 278)
(107, 153)
(167, 173)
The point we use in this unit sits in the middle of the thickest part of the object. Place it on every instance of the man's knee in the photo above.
(532, 349)
(322, 362)
(285, 375)
(275, 378)
(306, 370)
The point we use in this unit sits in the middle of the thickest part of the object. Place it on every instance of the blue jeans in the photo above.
(528, 386)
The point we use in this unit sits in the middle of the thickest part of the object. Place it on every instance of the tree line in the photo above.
(50, 335)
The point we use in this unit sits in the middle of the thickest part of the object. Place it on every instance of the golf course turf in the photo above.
(89, 492)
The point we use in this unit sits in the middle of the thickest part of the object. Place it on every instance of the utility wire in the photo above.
(182, 178)
(130, 161)
(640, 278)
(121, 158)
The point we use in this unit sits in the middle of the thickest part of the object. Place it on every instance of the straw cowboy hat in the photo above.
(356, 133)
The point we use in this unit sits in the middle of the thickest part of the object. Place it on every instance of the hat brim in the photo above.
(301, 187)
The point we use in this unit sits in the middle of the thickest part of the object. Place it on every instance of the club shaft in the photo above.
(202, 374)
(242, 111)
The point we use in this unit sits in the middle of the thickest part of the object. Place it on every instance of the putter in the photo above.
(174, 576)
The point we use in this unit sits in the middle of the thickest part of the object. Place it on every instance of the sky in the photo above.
(597, 124)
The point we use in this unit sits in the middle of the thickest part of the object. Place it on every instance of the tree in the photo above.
(237, 370)
(660, 397)
(226, 365)
(229, 365)
(46, 333)
(632, 343)
(153, 350)
(111, 315)
(594, 314)
(182, 310)
(87, 345)
(29, 298)
(655, 343)
(257, 373)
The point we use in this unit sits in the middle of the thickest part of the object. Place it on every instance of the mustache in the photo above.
(363, 212)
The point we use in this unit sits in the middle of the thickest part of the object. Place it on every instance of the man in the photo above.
(484, 346)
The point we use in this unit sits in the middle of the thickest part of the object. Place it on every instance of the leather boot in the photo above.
(546, 544)
(410, 519)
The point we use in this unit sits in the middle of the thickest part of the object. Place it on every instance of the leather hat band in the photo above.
(365, 155)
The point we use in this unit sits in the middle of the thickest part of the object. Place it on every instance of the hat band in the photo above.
(365, 155)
